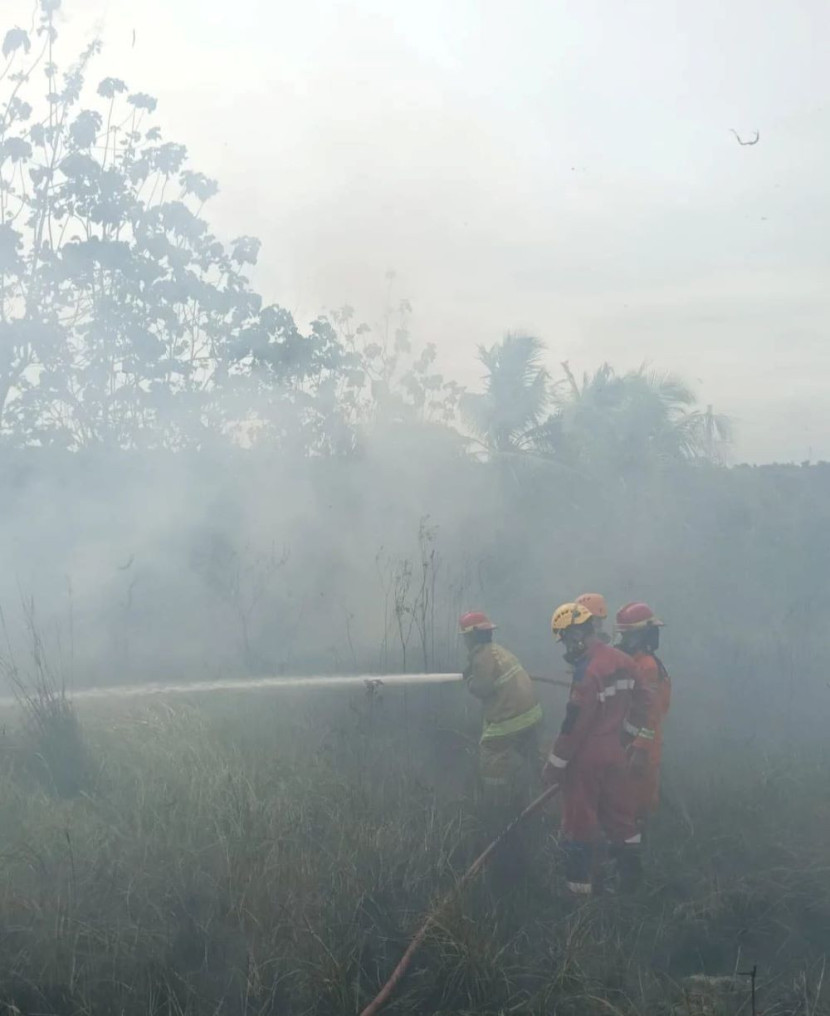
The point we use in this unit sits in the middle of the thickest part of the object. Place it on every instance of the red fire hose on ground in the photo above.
(385, 992)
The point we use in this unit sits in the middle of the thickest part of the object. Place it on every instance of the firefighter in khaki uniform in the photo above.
(509, 749)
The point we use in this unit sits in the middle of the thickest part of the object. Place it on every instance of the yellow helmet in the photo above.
(567, 616)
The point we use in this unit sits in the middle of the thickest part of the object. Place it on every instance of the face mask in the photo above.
(574, 653)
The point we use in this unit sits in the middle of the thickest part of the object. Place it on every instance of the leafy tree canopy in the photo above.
(123, 319)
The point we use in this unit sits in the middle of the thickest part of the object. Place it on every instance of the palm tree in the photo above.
(507, 414)
(619, 422)
(628, 420)
(708, 434)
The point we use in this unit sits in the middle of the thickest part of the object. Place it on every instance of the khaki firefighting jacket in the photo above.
(495, 676)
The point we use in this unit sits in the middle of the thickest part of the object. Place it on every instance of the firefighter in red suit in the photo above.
(596, 606)
(639, 631)
(593, 755)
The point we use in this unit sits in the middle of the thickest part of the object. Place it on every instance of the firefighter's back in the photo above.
(514, 705)
(653, 676)
(613, 675)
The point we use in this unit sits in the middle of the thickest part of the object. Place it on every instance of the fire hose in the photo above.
(385, 992)
(551, 680)
(284, 683)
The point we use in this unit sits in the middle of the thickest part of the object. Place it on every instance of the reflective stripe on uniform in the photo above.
(634, 841)
(556, 761)
(625, 684)
(505, 677)
(645, 734)
(629, 728)
(513, 725)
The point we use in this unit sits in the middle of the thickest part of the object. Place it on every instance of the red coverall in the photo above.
(655, 685)
(596, 789)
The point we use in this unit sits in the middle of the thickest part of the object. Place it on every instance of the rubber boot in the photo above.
(605, 872)
(578, 868)
(629, 861)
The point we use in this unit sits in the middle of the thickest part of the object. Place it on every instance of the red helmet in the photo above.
(637, 615)
(475, 621)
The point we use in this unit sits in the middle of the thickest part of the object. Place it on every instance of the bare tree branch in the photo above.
(740, 140)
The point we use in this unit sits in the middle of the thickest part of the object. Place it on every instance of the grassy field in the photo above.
(274, 853)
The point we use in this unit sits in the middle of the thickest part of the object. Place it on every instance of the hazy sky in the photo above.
(562, 167)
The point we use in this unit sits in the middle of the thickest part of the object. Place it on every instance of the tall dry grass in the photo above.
(273, 855)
